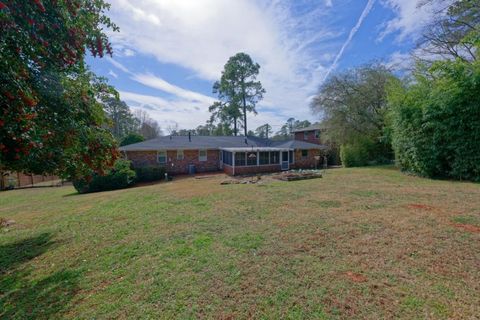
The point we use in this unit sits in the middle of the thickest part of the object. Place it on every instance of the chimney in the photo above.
(246, 142)
(189, 136)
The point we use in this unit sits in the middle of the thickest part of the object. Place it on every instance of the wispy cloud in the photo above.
(352, 33)
(113, 74)
(411, 17)
(201, 35)
(158, 83)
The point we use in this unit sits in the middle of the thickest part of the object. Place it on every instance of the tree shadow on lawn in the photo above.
(25, 297)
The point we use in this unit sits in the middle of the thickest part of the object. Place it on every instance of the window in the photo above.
(264, 158)
(202, 155)
(251, 159)
(304, 153)
(240, 159)
(317, 134)
(290, 156)
(162, 157)
(180, 155)
(274, 157)
(305, 135)
(227, 158)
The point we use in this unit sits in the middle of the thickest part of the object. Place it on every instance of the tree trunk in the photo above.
(244, 114)
(235, 126)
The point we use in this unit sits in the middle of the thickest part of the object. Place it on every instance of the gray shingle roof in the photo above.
(214, 142)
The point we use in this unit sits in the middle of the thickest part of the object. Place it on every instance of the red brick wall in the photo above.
(310, 138)
(305, 163)
(251, 169)
(174, 166)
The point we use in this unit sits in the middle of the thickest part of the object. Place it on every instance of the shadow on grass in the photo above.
(24, 295)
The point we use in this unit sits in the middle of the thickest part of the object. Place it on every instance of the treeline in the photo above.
(129, 127)
(428, 120)
(263, 131)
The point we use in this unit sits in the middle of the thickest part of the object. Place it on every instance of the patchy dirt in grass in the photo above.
(467, 227)
(420, 206)
(356, 277)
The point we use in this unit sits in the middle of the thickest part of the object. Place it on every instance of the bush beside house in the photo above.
(119, 177)
(148, 174)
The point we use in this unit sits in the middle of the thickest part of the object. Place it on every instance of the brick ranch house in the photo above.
(233, 155)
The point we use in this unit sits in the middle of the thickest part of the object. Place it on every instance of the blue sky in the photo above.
(168, 53)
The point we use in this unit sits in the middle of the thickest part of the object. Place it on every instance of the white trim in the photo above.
(201, 158)
(180, 151)
(166, 156)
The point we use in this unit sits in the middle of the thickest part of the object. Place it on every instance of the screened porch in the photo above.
(253, 160)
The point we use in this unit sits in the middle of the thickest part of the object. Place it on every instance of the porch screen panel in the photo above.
(240, 159)
(290, 155)
(264, 158)
(251, 158)
(227, 158)
(274, 157)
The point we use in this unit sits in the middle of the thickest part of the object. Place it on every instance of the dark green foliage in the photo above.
(364, 152)
(131, 139)
(436, 122)
(355, 154)
(121, 176)
(147, 174)
(353, 105)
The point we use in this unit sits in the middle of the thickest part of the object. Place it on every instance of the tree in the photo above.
(264, 131)
(147, 127)
(453, 35)
(287, 129)
(122, 120)
(434, 120)
(50, 119)
(353, 105)
(132, 138)
(238, 88)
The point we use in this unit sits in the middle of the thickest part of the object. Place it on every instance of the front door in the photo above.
(285, 162)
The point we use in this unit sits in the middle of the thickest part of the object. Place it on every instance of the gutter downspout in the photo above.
(233, 163)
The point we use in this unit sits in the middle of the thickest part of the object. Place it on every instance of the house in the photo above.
(309, 134)
(234, 155)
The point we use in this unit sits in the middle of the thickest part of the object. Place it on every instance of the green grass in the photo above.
(358, 243)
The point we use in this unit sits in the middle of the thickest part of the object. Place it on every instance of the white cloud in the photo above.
(352, 33)
(113, 74)
(158, 83)
(201, 35)
(412, 16)
(180, 111)
(329, 3)
(128, 53)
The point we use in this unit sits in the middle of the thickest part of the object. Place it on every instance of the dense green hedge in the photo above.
(147, 174)
(365, 152)
(436, 122)
(119, 177)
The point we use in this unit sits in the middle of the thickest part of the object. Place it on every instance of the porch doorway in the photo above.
(285, 160)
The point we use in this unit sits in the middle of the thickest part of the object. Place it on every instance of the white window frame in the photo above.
(159, 152)
(180, 154)
(200, 157)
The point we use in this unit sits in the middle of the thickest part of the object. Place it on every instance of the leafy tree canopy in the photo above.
(51, 121)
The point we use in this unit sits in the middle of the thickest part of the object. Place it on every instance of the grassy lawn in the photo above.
(359, 243)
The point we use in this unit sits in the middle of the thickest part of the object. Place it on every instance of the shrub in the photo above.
(436, 122)
(131, 139)
(119, 177)
(354, 155)
(147, 174)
